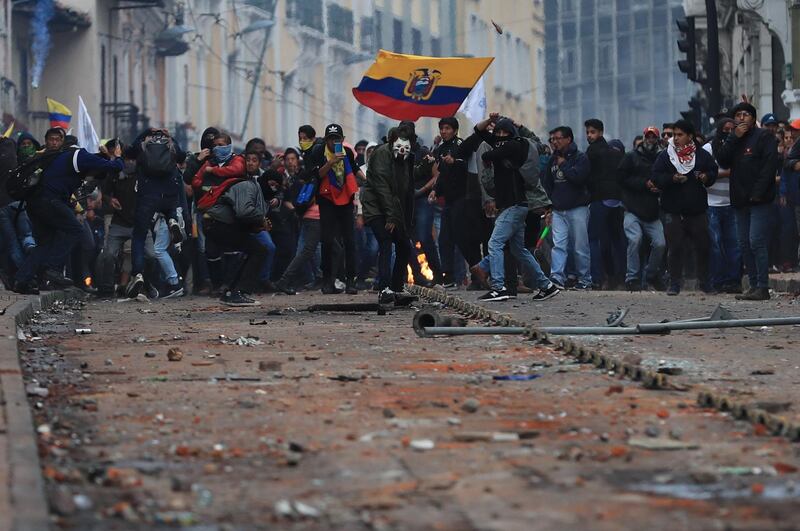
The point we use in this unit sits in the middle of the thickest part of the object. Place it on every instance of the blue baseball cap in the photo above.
(769, 118)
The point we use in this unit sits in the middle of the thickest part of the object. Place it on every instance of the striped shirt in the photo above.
(719, 194)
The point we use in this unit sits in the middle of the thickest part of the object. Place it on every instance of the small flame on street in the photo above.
(427, 272)
(87, 281)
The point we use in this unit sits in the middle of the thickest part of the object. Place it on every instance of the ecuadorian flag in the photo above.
(407, 87)
(60, 115)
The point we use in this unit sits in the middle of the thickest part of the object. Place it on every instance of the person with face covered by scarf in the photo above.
(683, 172)
(507, 155)
(640, 199)
(388, 203)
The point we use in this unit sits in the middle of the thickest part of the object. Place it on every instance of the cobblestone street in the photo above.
(280, 418)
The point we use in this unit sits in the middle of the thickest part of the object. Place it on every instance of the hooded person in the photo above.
(388, 206)
(751, 153)
(640, 199)
(508, 153)
(27, 146)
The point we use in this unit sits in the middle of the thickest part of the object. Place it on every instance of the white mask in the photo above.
(401, 148)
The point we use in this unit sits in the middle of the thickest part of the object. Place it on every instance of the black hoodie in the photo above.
(635, 169)
(603, 161)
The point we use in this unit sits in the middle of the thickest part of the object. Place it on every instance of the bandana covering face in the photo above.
(682, 158)
(305, 145)
(401, 148)
(223, 153)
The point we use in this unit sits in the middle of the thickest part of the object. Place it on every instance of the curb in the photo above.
(28, 503)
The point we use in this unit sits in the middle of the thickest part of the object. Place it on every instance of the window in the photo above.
(378, 27)
(605, 51)
(397, 37)
(587, 8)
(604, 25)
(624, 55)
(568, 61)
(367, 34)
(568, 31)
(587, 62)
(641, 52)
(416, 41)
(340, 23)
(436, 47)
(306, 12)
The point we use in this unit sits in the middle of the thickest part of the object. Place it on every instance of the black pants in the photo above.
(391, 277)
(337, 223)
(464, 224)
(222, 237)
(680, 231)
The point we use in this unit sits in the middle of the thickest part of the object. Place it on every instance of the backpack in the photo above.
(211, 197)
(530, 169)
(25, 179)
(157, 158)
(305, 197)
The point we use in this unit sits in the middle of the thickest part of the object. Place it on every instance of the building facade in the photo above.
(615, 60)
(256, 67)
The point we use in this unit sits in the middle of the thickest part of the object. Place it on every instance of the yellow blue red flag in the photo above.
(407, 87)
(60, 115)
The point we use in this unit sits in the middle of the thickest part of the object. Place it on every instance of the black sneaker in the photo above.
(754, 294)
(135, 286)
(674, 289)
(282, 287)
(495, 296)
(633, 285)
(583, 287)
(173, 291)
(386, 296)
(331, 290)
(655, 284)
(547, 293)
(26, 288)
(450, 286)
(175, 231)
(558, 284)
(235, 298)
(404, 298)
(57, 279)
(350, 288)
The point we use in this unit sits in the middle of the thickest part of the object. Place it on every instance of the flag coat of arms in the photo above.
(407, 87)
(60, 115)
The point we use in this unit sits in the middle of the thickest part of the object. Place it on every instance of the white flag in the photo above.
(87, 136)
(474, 107)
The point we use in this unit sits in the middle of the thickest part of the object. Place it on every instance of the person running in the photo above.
(507, 155)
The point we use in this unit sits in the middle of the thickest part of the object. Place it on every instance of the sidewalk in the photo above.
(22, 502)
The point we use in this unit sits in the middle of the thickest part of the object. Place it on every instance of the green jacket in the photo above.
(389, 190)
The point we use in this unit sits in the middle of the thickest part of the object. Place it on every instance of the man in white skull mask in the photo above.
(388, 203)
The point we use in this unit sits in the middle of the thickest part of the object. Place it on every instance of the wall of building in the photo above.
(615, 60)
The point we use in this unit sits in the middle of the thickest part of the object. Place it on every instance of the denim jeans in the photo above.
(654, 230)
(161, 243)
(424, 213)
(606, 242)
(265, 239)
(753, 226)
(16, 234)
(509, 228)
(307, 249)
(146, 207)
(725, 258)
(570, 230)
(56, 230)
(367, 250)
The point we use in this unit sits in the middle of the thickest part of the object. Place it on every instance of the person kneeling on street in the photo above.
(229, 224)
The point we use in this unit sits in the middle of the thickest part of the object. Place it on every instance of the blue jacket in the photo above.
(566, 185)
(66, 172)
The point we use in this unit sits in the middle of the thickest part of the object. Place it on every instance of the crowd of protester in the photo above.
(499, 211)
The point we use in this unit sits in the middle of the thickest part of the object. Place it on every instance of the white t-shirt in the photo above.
(719, 195)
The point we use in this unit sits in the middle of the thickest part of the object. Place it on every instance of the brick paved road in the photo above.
(329, 425)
